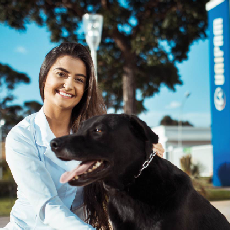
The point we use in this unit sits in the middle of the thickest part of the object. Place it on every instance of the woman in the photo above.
(68, 89)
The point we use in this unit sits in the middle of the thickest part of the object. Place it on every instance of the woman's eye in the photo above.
(80, 80)
(61, 74)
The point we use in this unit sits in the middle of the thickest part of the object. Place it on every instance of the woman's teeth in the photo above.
(65, 94)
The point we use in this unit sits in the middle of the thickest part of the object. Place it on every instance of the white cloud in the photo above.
(173, 105)
(21, 49)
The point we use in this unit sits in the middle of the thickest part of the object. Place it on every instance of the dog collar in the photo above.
(146, 163)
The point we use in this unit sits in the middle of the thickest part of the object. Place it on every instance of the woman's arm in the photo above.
(35, 182)
(158, 148)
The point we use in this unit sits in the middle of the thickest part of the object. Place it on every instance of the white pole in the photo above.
(92, 24)
(180, 127)
(180, 120)
(94, 57)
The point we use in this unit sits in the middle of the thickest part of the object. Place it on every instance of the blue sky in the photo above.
(25, 52)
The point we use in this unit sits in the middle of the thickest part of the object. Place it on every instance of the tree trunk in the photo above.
(129, 90)
(129, 86)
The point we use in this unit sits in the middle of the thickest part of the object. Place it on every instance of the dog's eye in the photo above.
(98, 130)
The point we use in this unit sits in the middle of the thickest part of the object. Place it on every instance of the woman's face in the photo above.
(65, 83)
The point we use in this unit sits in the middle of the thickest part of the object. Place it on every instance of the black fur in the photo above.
(161, 198)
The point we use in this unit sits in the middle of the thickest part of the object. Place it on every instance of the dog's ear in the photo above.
(142, 130)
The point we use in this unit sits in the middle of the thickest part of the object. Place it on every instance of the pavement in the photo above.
(4, 221)
(222, 206)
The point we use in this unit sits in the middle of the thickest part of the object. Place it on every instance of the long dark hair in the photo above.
(91, 104)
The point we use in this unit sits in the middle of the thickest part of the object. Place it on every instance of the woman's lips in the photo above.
(64, 94)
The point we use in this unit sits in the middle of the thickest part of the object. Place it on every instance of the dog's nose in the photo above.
(55, 144)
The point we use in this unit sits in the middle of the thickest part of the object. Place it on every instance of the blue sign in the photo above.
(218, 18)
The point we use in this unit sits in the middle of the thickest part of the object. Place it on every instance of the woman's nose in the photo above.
(68, 84)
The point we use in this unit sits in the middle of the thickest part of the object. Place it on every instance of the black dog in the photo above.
(145, 192)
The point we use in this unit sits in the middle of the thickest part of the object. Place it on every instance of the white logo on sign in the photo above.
(219, 99)
(212, 4)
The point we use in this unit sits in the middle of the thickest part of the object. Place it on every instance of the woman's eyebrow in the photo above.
(62, 69)
(66, 71)
(80, 74)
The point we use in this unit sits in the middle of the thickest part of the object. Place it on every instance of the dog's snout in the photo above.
(55, 144)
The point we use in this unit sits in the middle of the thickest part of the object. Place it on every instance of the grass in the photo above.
(6, 205)
(218, 194)
(211, 193)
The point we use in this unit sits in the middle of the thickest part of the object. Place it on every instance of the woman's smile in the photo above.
(64, 94)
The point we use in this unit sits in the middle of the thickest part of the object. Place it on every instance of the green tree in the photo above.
(168, 121)
(12, 114)
(31, 107)
(141, 41)
(9, 79)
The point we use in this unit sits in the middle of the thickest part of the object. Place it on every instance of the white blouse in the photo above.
(42, 201)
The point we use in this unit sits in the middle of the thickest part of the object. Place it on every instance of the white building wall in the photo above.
(190, 136)
(195, 139)
(175, 155)
(201, 155)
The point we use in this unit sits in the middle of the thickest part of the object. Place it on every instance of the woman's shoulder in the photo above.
(23, 129)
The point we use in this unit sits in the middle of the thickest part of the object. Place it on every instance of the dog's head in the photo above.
(111, 147)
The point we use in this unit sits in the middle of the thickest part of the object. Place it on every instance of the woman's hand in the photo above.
(158, 148)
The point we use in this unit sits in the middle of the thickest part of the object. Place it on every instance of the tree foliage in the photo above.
(31, 107)
(168, 121)
(9, 79)
(141, 41)
(13, 114)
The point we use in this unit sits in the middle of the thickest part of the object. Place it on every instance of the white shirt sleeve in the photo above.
(35, 182)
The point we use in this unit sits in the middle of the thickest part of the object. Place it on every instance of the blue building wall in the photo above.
(218, 19)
